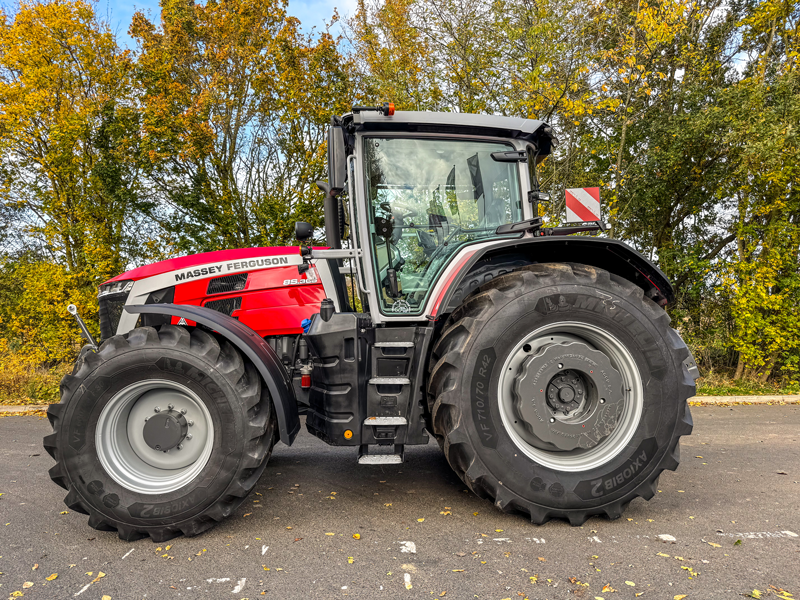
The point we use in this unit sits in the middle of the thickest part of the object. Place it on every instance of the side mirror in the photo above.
(337, 168)
(303, 231)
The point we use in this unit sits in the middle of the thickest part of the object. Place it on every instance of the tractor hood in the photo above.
(204, 258)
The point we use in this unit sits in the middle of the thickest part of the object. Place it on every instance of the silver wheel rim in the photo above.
(633, 399)
(125, 455)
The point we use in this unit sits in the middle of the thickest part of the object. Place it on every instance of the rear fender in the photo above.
(612, 255)
(253, 347)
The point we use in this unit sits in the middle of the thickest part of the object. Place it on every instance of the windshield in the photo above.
(427, 199)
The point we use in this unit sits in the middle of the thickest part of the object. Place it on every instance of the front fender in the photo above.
(253, 347)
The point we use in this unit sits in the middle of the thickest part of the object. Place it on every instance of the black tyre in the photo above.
(559, 390)
(160, 433)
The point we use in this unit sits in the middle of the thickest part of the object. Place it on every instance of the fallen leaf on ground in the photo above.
(737, 543)
(330, 534)
(356, 536)
(106, 597)
(714, 545)
(458, 570)
(52, 577)
(679, 597)
(542, 558)
(27, 584)
(607, 588)
(64, 512)
(754, 594)
(34, 567)
(350, 560)
(421, 520)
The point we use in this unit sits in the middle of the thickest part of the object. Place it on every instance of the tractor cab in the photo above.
(414, 189)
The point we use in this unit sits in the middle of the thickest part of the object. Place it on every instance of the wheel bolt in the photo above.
(191, 423)
(183, 411)
(188, 436)
(552, 419)
(145, 419)
(170, 406)
(180, 446)
(157, 409)
(602, 400)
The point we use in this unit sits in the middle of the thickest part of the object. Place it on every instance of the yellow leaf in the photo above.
(679, 597)
(64, 512)
(499, 530)
(106, 597)
(714, 545)
(27, 584)
(356, 536)
(421, 520)
(630, 583)
(52, 577)
(350, 560)
(458, 570)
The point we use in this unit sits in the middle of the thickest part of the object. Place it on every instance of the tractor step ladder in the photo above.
(394, 458)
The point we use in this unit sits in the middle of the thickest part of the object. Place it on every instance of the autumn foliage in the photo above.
(209, 133)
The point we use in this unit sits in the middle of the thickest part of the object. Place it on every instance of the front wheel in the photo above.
(560, 391)
(160, 433)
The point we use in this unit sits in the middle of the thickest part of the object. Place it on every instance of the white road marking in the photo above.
(537, 540)
(407, 579)
(594, 538)
(408, 547)
(264, 550)
(83, 589)
(222, 580)
(127, 554)
(761, 534)
(239, 585)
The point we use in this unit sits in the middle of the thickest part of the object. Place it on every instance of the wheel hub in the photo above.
(568, 396)
(566, 391)
(165, 430)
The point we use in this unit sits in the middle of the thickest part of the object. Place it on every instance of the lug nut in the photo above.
(145, 419)
(157, 409)
(602, 400)
(191, 423)
(188, 436)
(180, 446)
(552, 419)
(183, 411)
(170, 406)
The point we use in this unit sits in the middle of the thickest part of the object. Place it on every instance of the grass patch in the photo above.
(32, 385)
(720, 385)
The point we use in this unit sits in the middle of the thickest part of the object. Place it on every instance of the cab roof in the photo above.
(531, 130)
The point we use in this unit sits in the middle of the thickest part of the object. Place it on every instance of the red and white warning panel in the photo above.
(583, 205)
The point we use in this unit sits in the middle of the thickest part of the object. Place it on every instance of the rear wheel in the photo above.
(160, 433)
(560, 391)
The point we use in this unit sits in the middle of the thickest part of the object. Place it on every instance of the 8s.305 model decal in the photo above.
(299, 281)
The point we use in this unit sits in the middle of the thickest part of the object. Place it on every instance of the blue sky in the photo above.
(312, 13)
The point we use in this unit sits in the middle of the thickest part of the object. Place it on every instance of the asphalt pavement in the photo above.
(725, 524)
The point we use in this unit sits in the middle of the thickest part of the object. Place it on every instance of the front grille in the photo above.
(229, 283)
(226, 306)
(111, 306)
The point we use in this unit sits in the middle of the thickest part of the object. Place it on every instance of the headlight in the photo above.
(115, 287)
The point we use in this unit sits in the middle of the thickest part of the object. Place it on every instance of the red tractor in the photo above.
(543, 364)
